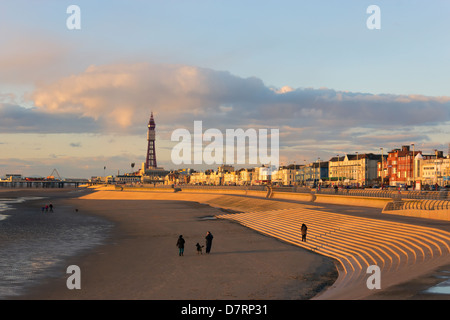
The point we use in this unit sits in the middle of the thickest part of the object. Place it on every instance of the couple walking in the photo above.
(180, 243)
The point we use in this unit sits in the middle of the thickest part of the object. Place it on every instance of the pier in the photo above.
(42, 183)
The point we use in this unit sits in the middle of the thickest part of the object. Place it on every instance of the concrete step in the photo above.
(355, 242)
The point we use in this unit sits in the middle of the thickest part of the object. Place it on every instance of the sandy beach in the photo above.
(140, 259)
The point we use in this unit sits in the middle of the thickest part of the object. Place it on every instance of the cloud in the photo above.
(18, 119)
(118, 98)
(121, 97)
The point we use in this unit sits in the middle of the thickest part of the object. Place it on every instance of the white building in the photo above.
(262, 175)
(354, 169)
(432, 171)
(283, 177)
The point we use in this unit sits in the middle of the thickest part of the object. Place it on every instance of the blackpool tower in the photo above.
(150, 161)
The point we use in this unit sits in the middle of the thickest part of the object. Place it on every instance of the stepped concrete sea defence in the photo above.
(233, 201)
(373, 202)
(427, 209)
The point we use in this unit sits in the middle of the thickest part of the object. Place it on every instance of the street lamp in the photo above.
(414, 168)
(357, 169)
(338, 170)
(318, 180)
(382, 168)
(304, 172)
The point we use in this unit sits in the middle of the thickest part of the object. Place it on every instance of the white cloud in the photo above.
(122, 96)
(119, 97)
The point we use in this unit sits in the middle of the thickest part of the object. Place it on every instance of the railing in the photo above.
(190, 186)
(359, 192)
(434, 195)
(376, 193)
(418, 205)
(422, 195)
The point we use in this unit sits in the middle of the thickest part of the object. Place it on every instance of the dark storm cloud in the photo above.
(17, 119)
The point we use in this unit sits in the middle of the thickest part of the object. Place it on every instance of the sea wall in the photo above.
(203, 194)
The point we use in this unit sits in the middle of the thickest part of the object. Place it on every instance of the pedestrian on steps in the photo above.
(303, 229)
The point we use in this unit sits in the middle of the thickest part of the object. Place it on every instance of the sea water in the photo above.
(442, 287)
(34, 245)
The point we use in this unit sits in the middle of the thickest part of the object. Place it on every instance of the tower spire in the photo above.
(150, 161)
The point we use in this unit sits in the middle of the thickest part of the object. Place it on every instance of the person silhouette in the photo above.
(180, 245)
(209, 237)
(303, 229)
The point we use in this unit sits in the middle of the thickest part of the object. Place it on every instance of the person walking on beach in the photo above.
(303, 231)
(51, 207)
(180, 245)
(209, 237)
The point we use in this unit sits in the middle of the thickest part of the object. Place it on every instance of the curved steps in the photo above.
(355, 242)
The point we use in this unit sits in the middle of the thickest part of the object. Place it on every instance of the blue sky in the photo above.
(78, 97)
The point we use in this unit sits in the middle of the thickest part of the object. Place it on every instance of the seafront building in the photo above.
(354, 169)
(312, 174)
(401, 167)
(434, 170)
(11, 177)
(284, 176)
(406, 167)
(245, 176)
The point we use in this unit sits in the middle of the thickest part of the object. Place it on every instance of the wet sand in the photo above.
(140, 259)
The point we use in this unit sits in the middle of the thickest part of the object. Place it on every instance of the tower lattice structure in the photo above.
(150, 161)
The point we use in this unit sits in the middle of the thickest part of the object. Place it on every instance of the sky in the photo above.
(79, 100)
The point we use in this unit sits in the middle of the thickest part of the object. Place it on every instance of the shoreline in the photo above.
(139, 260)
(36, 243)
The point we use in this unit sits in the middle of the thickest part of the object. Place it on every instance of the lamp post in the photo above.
(414, 168)
(304, 173)
(357, 170)
(318, 180)
(382, 168)
(337, 171)
(435, 167)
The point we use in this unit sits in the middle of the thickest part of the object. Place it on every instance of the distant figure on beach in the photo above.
(43, 208)
(180, 245)
(46, 208)
(303, 230)
(199, 248)
(51, 207)
(209, 237)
